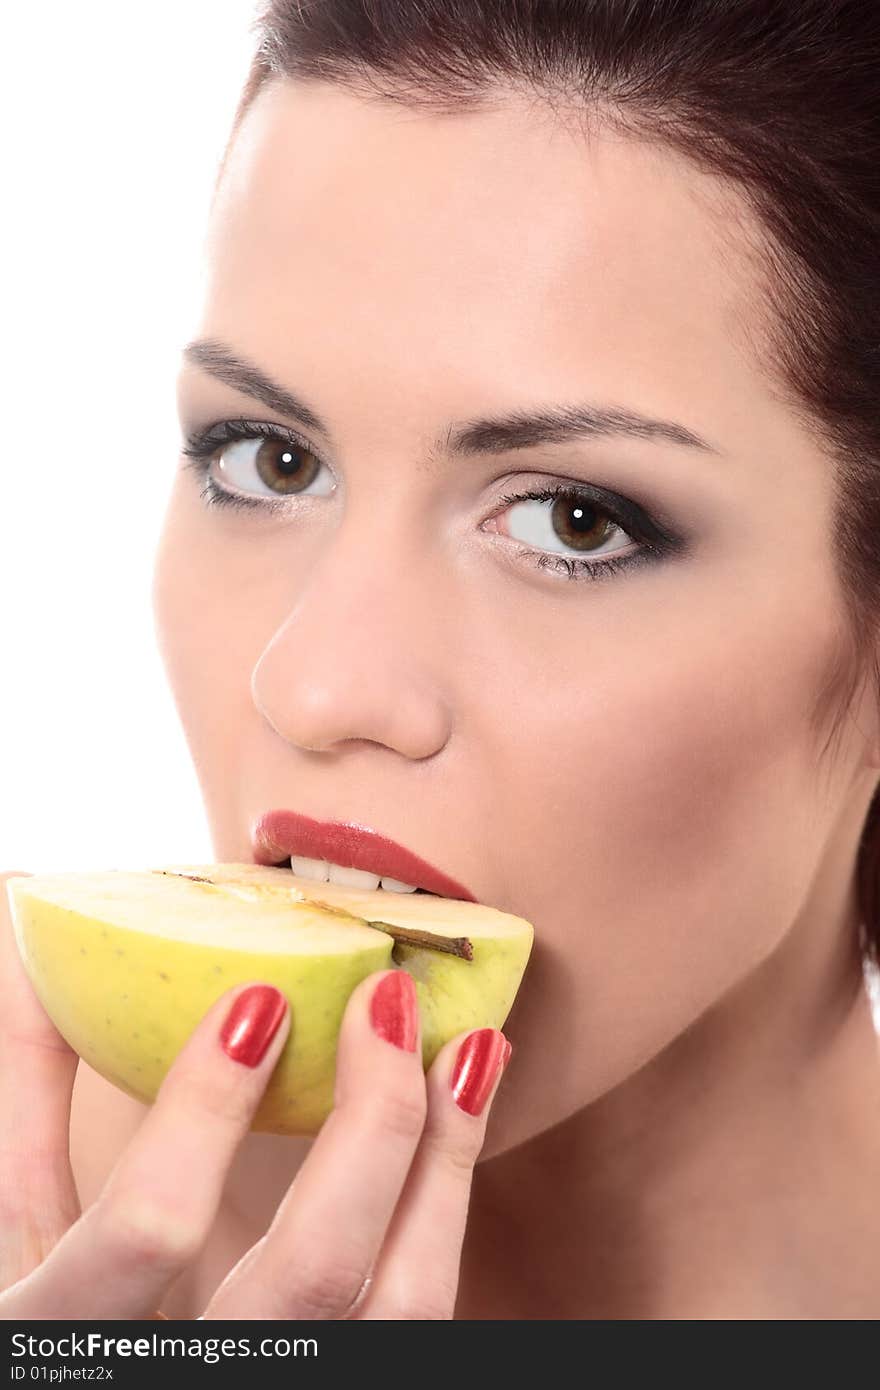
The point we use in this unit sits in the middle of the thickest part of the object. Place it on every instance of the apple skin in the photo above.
(127, 999)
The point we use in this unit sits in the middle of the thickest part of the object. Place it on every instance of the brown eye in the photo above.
(254, 468)
(579, 524)
(283, 467)
(562, 523)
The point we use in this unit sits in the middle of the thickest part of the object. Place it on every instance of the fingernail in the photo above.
(252, 1023)
(480, 1057)
(394, 1011)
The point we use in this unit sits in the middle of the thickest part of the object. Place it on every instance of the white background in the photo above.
(113, 120)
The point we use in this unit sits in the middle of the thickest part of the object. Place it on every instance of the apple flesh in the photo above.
(126, 963)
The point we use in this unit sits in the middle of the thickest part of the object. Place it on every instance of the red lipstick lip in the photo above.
(278, 834)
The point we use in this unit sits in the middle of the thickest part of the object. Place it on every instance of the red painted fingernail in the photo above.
(394, 1012)
(252, 1023)
(479, 1059)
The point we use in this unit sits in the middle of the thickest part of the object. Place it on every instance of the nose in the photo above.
(361, 656)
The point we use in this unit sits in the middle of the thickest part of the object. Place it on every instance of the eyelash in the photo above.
(200, 447)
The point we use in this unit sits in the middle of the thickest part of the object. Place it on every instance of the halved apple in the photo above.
(126, 963)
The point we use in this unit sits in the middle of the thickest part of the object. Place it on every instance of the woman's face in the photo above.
(629, 761)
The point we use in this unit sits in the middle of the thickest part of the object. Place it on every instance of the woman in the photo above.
(503, 295)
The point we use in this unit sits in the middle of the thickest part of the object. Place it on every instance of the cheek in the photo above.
(661, 821)
(205, 630)
(681, 791)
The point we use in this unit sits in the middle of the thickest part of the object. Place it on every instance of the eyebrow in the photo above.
(521, 429)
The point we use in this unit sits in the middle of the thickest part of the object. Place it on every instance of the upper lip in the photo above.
(278, 834)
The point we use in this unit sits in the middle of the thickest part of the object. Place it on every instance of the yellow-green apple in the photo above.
(126, 963)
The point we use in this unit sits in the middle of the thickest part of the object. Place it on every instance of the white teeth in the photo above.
(352, 878)
(310, 868)
(322, 871)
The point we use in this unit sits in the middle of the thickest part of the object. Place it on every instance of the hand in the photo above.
(371, 1227)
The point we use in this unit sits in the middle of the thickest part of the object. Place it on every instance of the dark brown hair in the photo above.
(781, 98)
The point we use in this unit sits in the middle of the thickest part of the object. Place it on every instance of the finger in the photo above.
(328, 1230)
(161, 1199)
(418, 1272)
(38, 1197)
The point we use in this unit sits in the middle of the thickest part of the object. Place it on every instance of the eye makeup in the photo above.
(584, 501)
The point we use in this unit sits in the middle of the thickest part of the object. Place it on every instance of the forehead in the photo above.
(484, 248)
